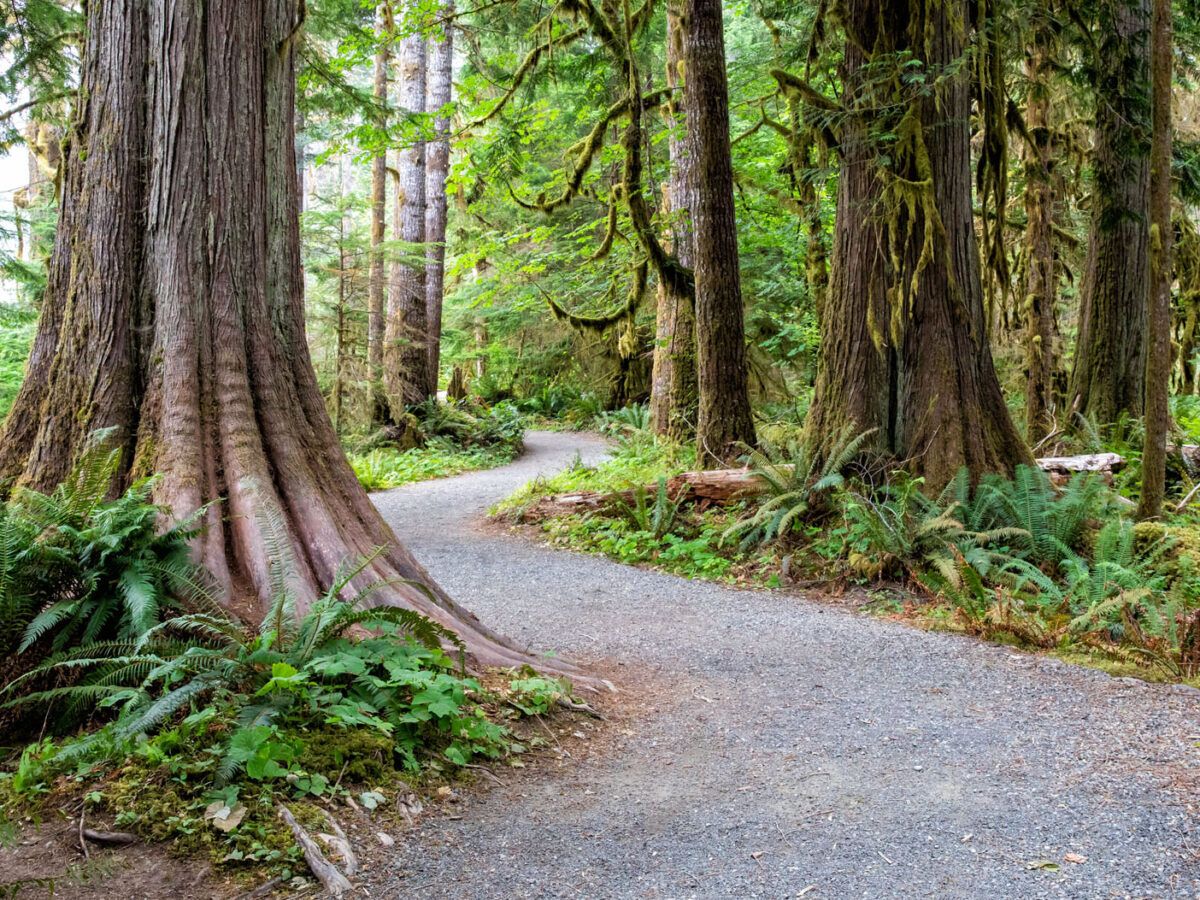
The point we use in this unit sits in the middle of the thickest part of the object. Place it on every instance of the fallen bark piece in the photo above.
(340, 844)
(331, 878)
(109, 837)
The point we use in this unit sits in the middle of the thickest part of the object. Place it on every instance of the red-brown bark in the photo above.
(724, 422)
(176, 309)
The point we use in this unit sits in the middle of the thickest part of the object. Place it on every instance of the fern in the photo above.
(797, 482)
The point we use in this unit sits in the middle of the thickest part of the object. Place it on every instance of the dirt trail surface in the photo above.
(781, 748)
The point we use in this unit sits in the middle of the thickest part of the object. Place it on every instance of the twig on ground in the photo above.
(109, 837)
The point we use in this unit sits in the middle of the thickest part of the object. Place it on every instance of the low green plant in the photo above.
(624, 422)
(651, 512)
(798, 481)
(384, 468)
(77, 567)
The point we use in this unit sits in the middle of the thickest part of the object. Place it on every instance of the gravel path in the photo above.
(780, 748)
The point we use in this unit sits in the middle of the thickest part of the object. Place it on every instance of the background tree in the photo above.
(1108, 376)
(440, 56)
(725, 423)
(406, 355)
(1158, 359)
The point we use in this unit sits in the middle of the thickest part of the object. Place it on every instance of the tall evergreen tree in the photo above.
(673, 395)
(406, 340)
(175, 310)
(724, 422)
(1158, 357)
(437, 163)
(1109, 373)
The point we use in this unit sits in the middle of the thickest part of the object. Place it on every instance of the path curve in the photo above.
(787, 744)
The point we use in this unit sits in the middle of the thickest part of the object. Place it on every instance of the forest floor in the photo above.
(768, 744)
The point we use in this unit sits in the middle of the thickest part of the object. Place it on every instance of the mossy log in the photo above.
(723, 486)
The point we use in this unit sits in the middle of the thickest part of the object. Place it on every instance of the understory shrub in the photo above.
(77, 567)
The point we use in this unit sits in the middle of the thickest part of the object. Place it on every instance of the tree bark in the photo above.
(376, 283)
(437, 164)
(949, 411)
(852, 388)
(724, 421)
(1108, 377)
(673, 397)
(1158, 359)
(406, 341)
(1043, 351)
(176, 312)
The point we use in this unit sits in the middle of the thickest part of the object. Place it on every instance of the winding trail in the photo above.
(781, 748)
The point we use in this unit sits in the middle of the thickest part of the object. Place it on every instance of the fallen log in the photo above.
(722, 486)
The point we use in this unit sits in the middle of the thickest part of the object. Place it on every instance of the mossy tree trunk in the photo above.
(1043, 345)
(724, 421)
(905, 338)
(673, 395)
(406, 375)
(1109, 373)
(437, 164)
(1158, 358)
(949, 411)
(852, 387)
(175, 312)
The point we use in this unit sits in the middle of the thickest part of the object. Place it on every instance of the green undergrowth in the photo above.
(446, 439)
(636, 458)
(151, 709)
(1017, 561)
(385, 468)
(17, 326)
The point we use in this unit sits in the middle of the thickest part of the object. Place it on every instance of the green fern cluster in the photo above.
(655, 513)
(1018, 556)
(797, 481)
(77, 567)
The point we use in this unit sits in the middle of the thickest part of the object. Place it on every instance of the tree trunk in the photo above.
(1042, 182)
(724, 421)
(949, 410)
(175, 312)
(673, 396)
(1109, 373)
(919, 365)
(406, 342)
(437, 164)
(1158, 359)
(376, 283)
(851, 394)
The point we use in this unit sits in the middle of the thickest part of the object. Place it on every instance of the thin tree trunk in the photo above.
(1109, 373)
(344, 264)
(673, 397)
(176, 309)
(437, 164)
(406, 342)
(1042, 342)
(1158, 359)
(377, 282)
(724, 421)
